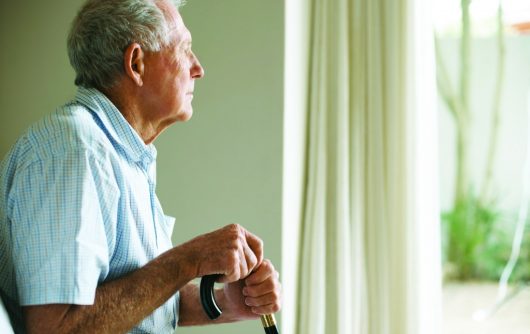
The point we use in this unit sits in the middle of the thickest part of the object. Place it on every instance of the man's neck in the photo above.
(132, 110)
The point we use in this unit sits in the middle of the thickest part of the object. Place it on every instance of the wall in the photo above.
(36, 75)
(224, 165)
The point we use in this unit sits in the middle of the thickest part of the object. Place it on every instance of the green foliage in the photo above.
(497, 252)
(478, 242)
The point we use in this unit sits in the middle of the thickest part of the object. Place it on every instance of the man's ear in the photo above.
(133, 61)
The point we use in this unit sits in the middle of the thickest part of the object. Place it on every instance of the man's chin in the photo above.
(185, 116)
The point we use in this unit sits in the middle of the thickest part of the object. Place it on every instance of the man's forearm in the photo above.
(121, 304)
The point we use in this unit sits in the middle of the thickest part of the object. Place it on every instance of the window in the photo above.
(484, 138)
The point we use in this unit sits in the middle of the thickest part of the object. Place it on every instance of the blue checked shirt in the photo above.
(78, 208)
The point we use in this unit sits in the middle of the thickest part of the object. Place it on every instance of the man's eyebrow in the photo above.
(185, 42)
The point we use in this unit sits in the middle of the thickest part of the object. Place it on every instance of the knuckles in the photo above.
(234, 252)
(234, 228)
(276, 295)
(234, 236)
(232, 258)
(260, 245)
(275, 307)
(267, 264)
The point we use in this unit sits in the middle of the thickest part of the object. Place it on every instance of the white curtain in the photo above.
(361, 219)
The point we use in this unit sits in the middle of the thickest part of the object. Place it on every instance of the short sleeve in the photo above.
(62, 228)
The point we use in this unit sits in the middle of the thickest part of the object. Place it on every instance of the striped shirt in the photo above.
(78, 208)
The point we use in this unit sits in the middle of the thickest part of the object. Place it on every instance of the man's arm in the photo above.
(121, 304)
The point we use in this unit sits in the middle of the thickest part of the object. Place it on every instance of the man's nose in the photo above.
(197, 71)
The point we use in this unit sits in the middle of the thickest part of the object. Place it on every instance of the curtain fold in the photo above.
(369, 245)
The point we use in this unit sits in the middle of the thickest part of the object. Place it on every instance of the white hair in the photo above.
(103, 29)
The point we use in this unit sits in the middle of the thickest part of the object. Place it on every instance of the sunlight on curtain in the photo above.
(361, 243)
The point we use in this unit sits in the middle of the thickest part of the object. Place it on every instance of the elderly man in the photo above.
(85, 245)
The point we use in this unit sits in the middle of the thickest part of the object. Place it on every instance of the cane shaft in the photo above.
(269, 324)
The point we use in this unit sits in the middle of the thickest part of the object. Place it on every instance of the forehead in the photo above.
(176, 25)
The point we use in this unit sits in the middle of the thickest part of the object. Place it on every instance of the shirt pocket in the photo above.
(167, 223)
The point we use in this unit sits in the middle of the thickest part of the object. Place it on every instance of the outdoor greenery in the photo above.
(477, 240)
(492, 260)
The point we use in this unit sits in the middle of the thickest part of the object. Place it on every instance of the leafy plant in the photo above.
(468, 229)
(497, 252)
(478, 243)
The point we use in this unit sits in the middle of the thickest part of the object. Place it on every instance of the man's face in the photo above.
(170, 74)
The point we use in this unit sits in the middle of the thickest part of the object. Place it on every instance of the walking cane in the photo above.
(213, 311)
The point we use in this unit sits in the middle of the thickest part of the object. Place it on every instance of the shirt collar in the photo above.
(116, 125)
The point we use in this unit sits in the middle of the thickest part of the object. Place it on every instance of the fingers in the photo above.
(263, 289)
(262, 272)
(250, 260)
(256, 245)
(269, 298)
(266, 309)
(265, 304)
(245, 253)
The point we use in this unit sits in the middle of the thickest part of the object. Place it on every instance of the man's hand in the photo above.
(248, 298)
(231, 251)
(259, 293)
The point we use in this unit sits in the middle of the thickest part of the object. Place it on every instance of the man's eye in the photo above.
(186, 50)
